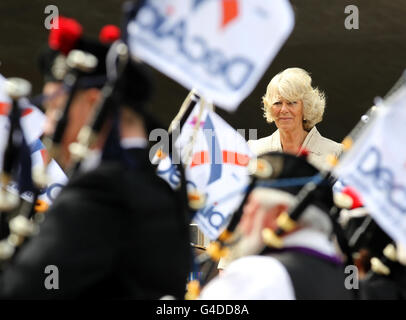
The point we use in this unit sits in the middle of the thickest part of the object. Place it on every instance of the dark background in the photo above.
(351, 66)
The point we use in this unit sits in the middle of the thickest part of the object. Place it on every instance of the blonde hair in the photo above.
(295, 84)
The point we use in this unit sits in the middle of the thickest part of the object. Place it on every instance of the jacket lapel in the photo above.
(311, 140)
(276, 141)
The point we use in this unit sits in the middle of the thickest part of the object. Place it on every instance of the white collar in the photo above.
(312, 133)
(134, 142)
(311, 239)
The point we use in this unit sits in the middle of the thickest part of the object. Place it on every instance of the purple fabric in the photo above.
(312, 252)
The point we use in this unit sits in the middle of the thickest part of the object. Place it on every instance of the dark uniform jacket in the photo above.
(113, 232)
(314, 278)
(380, 287)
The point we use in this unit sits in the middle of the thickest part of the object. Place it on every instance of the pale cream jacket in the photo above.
(319, 147)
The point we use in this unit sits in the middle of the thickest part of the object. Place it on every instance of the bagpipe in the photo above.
(387, 264)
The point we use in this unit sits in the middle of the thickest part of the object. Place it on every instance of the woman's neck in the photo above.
(292, 141)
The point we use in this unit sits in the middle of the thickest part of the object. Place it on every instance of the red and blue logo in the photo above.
(230, 10)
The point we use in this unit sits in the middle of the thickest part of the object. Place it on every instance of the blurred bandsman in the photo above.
(53, 66)
(116, 231)
(380, 260)
(306, 264)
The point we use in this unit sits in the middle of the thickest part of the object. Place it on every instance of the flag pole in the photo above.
(192, 140)
(185, 107)
(176, 125)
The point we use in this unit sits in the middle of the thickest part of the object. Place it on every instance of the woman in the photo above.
(296, 107)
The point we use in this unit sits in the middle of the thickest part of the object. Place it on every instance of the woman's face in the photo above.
(288, 115)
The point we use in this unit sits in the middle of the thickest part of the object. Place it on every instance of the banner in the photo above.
(219, 47)
(32, 122)
(217, 167)
(376, 166)
(57, 178)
